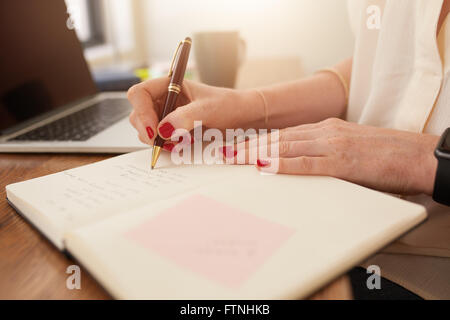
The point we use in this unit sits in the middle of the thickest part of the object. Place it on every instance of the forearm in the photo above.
(309, 100)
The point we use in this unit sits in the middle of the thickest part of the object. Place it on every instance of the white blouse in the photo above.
(400, 80)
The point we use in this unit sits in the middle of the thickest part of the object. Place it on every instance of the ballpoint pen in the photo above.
(176, 75)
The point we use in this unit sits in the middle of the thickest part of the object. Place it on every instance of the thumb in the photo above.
(182, 118)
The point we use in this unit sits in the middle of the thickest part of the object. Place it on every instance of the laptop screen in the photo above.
(42, 66)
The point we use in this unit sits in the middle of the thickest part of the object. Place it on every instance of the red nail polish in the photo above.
(263, 163)
(150, 132)
(169, 147)
(166, 130)
(186, 139)
(228, 152)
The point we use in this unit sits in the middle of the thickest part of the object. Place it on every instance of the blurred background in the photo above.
(285, 39)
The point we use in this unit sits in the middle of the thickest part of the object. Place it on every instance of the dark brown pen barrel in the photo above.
(182, 58)
(171, 101)
(176, 82)
(159, 142)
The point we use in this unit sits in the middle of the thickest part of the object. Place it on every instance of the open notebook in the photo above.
(209, 232)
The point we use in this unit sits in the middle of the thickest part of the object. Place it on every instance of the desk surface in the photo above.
(30, 267)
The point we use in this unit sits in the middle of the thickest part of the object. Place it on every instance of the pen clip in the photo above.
(173, 59)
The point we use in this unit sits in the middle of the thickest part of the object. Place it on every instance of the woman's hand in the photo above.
(216, 107)
(383, 159)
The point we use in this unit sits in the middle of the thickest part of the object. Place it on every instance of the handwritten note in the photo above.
(79, 196)
(123, 182)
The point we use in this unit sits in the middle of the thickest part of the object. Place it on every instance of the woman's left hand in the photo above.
(383, 159)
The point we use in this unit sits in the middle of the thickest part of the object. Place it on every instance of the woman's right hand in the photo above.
(219, 108)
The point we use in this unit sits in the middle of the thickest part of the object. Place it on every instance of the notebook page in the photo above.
(80, 196)
(263, 237)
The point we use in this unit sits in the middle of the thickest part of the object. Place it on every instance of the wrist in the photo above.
(254, 109)
(429, 166)
(344, 84)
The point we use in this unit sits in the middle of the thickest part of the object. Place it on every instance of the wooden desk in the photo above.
(30, 267)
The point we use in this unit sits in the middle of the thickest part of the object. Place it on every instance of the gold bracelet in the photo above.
(266, 107)
(341, 79)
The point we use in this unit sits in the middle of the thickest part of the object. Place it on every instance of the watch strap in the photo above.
(441, 191)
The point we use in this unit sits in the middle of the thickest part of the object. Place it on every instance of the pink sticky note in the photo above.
(212, 239)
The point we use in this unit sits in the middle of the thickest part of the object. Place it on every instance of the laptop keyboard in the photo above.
(81, 125)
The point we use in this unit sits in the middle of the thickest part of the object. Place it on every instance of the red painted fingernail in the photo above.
(186, 139)
(166, 130)
(150, 132)
(263, 163)
(169, 147)
(228, 152)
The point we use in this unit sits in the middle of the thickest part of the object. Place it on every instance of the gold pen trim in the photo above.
(155, 156)
(175, 88)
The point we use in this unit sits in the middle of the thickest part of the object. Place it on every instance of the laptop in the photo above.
(48, 99)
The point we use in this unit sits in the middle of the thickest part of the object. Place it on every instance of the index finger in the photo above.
(143, 97)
